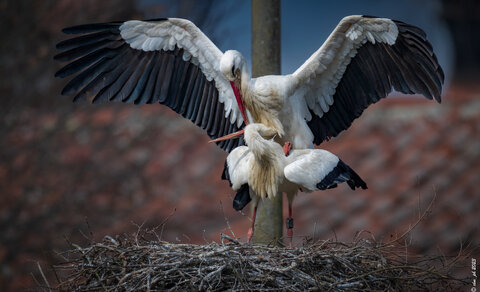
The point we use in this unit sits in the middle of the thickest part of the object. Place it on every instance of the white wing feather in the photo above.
(165, 35)
(238, 162)
(309, 167)
(318, 77)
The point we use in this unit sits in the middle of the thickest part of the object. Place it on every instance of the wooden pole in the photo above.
(266, 61)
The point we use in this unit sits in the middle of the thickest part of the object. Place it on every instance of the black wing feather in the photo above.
(188, 91)
(203, 103)
(211, 116)
(106, 67)
(408, 66)
(143, 81)
(339, 174)
(93, 27)
(176, 103)
(242, 198)
(87, 40)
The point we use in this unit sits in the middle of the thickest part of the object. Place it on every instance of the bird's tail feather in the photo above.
(242, 198)
(342, 173)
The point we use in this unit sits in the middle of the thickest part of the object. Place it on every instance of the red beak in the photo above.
(239, 98)
(229, 136)
(241, 106)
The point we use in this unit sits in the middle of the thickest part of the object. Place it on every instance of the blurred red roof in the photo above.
(118, 164)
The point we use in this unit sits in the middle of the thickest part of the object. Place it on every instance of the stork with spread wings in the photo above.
(170, 61)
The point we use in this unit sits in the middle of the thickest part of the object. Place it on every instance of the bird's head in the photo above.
(261, 130)
(251, 132)
(231, 64)
(260, 140)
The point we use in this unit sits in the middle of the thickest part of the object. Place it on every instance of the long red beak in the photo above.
(241, 106)
(229, 136)
(239, 98)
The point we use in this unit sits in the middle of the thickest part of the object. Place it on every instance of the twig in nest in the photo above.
(425, 213)
(138, 264)
(224, 236)
(162, 225)
(43, 275)
(226, 220)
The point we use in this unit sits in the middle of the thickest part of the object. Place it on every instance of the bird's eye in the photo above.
(233, 71)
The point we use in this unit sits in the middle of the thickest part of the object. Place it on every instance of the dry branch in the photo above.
(137, 264)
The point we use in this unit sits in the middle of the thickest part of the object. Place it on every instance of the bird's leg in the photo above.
(252, 226)
(289, 223)
(287, 147)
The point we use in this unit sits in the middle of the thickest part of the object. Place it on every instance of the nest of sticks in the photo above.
(134, 263)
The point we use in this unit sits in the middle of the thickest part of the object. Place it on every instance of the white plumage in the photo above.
(308, 167)
(263, 167)
(300, 169)
(172, 62)
(165, 35)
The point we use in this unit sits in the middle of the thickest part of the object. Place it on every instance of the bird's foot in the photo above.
(290, 237)
(287, 147)
(249, 234)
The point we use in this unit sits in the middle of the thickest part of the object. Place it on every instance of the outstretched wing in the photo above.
(169, 61)
(320, 170)
(361, 61)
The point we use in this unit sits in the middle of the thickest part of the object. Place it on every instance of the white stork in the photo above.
(264, 168)
(170, 61)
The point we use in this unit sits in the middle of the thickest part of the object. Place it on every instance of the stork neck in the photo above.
(266, 168)
(245, 78)
(265, 151)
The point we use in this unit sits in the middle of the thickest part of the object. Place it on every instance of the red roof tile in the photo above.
(115, 164)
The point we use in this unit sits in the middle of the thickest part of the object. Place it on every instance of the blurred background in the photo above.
(72, 172)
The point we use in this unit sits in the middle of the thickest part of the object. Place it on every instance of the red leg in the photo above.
(252, 226)
(286, 148)
(289, 224)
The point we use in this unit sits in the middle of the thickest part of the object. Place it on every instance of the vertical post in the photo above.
(266, 61)
(266, 37)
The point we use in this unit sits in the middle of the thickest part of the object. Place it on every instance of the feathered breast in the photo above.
(265, 109)
(265, 177)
